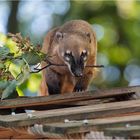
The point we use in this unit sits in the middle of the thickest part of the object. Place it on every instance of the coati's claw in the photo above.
(78, 88)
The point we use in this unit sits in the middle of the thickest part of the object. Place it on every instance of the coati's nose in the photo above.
(78, 73)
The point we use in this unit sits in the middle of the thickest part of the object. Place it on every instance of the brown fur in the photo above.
(60, 77)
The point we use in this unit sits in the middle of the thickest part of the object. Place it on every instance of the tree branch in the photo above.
(61, 65)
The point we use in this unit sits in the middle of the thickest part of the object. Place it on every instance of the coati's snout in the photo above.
(76, 65)
(77, 71)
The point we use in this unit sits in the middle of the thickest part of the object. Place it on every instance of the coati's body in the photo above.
(74, 45)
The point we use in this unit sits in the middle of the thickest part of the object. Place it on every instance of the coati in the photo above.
(75, 45)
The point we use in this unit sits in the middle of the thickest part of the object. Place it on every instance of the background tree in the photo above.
(12, 20)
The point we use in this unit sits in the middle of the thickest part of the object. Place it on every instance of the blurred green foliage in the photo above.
(17, 54)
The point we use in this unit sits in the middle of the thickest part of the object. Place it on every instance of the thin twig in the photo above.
(60, 65)
(97, 66)
(38, 70)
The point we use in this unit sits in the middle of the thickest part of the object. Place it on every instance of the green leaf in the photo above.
(4, 51)
(31, 58)
(24, 75)
(2, 65)
(9, 89)
(4, 84)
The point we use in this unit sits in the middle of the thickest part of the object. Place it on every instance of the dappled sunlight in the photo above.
(40, 25)
(126, 8)
(102, 59)
(39, 16)
(3, 39)
(111, 74)
(99, 31)
(4, 13)
(134, 82)
(119, 55)
(132, 72)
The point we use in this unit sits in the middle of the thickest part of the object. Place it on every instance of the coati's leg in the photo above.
(83, 82)
(43, 87)
(46, 44)
(67, 85)
(53, 82)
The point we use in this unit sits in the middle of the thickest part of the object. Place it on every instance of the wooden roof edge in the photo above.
(67, 98)
(83, 112)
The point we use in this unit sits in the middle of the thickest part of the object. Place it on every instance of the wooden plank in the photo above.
(5, 112)
(67, 98)
(9, 133)
(90, 102)
(128, 131)
(112, 126)
(67, 105)
(84, 112)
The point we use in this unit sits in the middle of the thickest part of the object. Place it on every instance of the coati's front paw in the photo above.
(78, 88)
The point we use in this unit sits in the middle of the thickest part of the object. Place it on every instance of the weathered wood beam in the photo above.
(65, 105)
(125, 131)
(67, 98)
(123, 126)
(112, 126)
(56, 106)
(10, 133)
(76, 113)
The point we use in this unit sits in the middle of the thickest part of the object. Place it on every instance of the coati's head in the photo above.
(74, 50)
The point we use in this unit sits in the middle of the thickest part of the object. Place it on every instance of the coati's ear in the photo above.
(59, 35)
(88, 35)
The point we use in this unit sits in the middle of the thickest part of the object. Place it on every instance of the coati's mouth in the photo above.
(77, 71)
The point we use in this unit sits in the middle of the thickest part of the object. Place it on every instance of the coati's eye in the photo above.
(84, 55)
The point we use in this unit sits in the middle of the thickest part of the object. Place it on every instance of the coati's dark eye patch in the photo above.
(67, 58)
(68, 52)
(68, 55)
(84, 55)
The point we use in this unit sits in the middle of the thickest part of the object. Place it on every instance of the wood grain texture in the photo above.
(122, 126)
(78, 113)
(110, 125)
(68, 98)
(127, 130)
